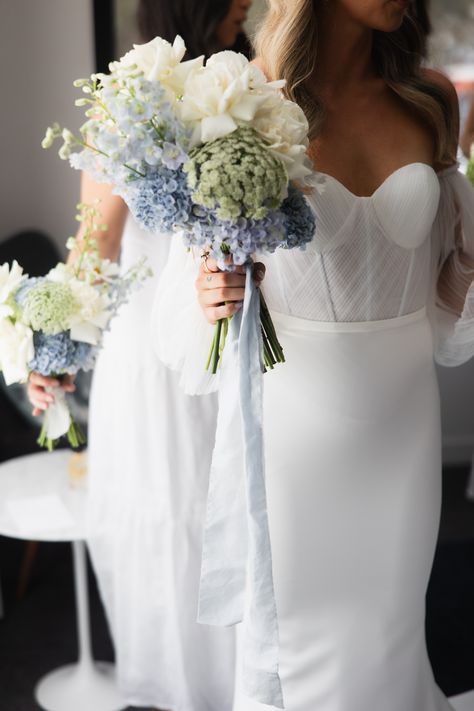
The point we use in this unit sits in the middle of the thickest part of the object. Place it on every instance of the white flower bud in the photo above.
(68, 136)
(48, 140)
(78, 83)
(64, 152)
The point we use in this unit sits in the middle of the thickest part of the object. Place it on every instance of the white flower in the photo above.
(284, 125)
(161, 61)
(106, 269)
(224, 94)
(93, 314)
(10, 280)
(62, 273)
(16, 350)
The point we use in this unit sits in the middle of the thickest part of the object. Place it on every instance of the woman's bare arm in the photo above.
(113, 214)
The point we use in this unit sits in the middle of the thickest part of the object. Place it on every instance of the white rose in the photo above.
(284, 125)
(224, 94)
(16, 351)
(10, 280)
(161, 61)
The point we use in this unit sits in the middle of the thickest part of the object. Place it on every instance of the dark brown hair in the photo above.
(195, 20)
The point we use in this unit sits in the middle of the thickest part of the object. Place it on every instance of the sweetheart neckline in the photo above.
(382, 184)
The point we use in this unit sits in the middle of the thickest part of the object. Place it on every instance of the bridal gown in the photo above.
(352, 433)
(149, 452)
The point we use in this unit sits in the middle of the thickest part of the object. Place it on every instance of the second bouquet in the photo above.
(213, 151)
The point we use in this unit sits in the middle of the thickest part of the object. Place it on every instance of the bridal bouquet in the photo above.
(211, 150)
(54, 324)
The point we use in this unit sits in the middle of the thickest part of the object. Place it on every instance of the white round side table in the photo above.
(43, 477)
(463, 702)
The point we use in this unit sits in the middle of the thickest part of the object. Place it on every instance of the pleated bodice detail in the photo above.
(370, 258)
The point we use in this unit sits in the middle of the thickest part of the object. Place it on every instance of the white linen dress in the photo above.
(149, 453)
(352, 434)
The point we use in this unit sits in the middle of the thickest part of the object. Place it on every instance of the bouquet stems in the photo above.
(75, 437)
(272, 350)
(61, 424)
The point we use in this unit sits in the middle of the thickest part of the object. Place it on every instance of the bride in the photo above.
(352, 422)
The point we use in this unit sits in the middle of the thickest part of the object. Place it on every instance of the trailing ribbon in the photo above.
(236, 575)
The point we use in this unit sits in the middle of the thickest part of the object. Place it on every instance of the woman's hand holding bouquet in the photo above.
(51, 327)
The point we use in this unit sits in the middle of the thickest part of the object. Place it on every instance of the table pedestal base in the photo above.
(79, 687)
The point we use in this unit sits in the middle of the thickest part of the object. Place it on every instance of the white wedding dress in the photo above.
(352, 432)
(149, 454)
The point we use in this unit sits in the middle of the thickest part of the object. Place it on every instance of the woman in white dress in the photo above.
(149, 453)
(351, 420)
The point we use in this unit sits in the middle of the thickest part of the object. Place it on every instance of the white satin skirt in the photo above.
(353, 456)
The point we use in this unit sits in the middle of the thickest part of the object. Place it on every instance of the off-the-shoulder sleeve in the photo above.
(180, 334)
(452, 302)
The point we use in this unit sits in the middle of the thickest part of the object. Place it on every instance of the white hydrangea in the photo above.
(16, 350)
(161, 61)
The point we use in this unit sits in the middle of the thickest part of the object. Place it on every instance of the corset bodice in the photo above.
(370, 258)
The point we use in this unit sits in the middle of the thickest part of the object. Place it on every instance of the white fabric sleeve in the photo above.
(180, 334)
(452, 302)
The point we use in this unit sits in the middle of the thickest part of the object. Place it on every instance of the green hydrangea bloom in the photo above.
(238, 175)
(49, 306)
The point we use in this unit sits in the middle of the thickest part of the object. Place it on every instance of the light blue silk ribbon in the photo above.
(236, 575)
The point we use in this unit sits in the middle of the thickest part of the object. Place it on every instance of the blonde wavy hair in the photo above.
(290, 27)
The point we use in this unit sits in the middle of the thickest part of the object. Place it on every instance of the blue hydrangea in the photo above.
(160, 202)
(59, 354)
(291, 226)
(300, 224)
(241, 238)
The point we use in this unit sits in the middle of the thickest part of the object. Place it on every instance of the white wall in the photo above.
(44, 46)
